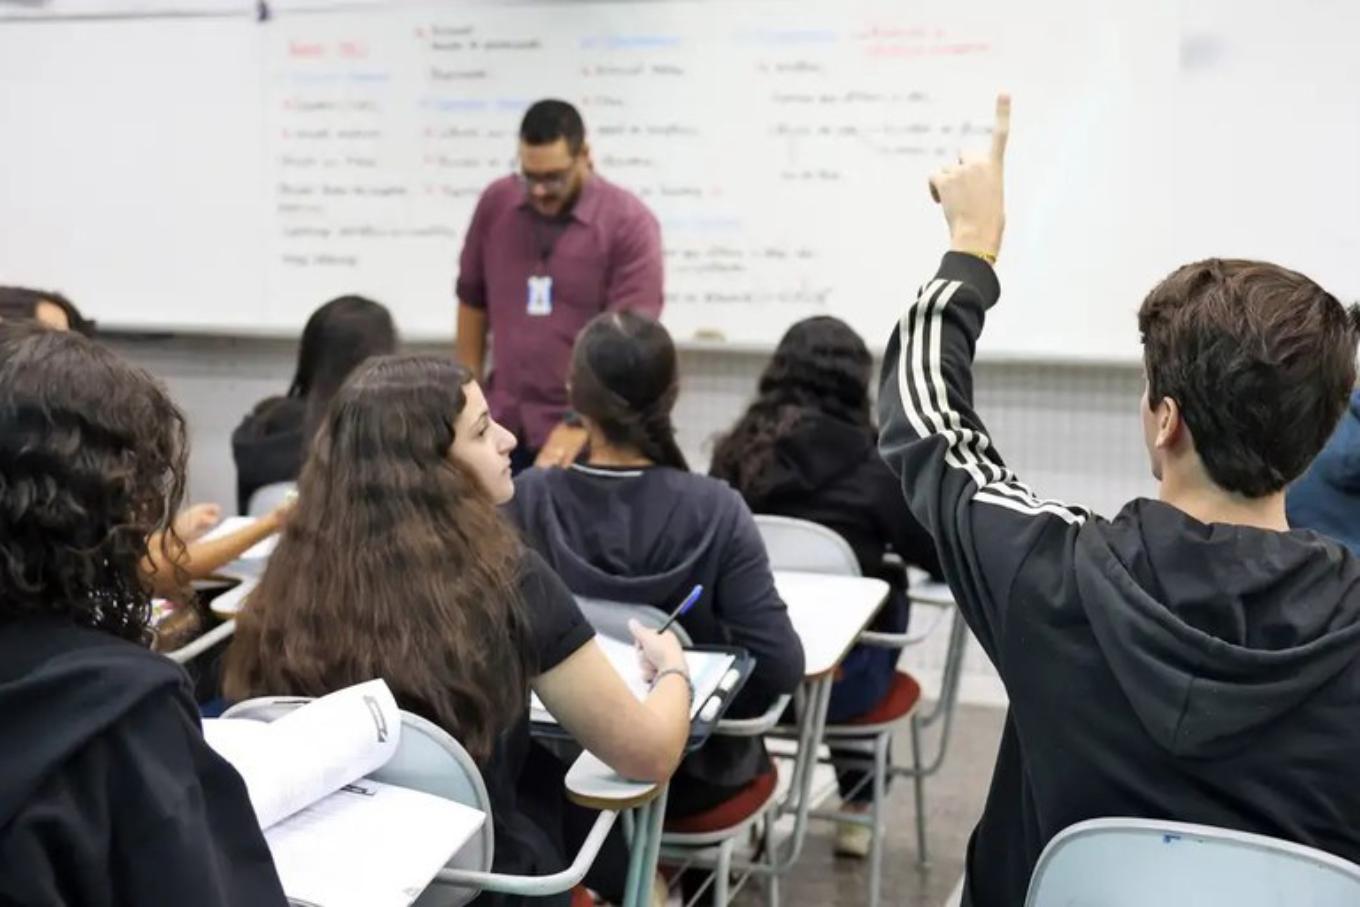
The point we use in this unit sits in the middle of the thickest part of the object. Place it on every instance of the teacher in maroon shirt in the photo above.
(548, 249)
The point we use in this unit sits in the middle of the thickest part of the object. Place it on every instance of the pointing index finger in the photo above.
(1002, 130)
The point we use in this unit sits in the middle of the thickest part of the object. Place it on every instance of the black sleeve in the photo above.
(557, 628)
(988, 526)
(747, 603)
(895, 521)
(184, 831)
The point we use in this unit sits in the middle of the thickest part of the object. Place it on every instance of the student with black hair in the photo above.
(549, 248)
(807, 447)
(632, 524)
(108, 793)
(270, 445)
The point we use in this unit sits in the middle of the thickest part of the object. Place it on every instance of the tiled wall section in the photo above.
(1071, 432)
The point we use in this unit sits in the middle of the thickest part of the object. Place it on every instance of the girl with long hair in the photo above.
(397, 564)
(807, 447)
(270, 444)
(108, 793)
(633, 524)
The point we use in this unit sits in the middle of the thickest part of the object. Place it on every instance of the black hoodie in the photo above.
(647, 536)
(1156, 666)
(828, 471)
(269, 446)
(108, 794)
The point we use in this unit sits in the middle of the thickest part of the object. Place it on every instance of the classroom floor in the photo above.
(954, 799)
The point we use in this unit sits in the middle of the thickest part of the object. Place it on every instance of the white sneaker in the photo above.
(853, 840)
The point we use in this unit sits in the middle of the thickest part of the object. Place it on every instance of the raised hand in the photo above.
(972, 192)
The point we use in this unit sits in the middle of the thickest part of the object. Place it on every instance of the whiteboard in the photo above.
(783, 144)
(131, 168)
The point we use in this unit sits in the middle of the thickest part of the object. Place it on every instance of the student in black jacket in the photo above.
(270, 444)
(807, 447)
(1192, 659)
(633, 524)
(108, 794)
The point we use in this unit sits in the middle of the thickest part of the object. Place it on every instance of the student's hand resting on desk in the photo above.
(971, 192)
(564, 445)
(194, 522)
(657, 652)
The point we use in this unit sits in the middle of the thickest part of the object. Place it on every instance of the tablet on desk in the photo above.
(717, 672)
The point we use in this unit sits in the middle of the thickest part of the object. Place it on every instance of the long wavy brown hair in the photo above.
(395, 564)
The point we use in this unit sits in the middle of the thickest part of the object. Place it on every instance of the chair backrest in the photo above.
(795, 544)
(428, 760)
(267, 497)
(611, 618)
(1127, 862)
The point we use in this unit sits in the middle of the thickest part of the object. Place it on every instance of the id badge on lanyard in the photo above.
(540, 301)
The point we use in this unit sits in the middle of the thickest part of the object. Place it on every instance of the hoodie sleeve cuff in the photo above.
(973, 271)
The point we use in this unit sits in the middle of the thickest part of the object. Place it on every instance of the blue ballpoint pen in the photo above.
(694, 595)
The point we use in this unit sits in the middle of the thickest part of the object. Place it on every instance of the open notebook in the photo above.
(338, 838)
(706, 671)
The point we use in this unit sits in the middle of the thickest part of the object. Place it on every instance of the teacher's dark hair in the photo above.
(549, 120)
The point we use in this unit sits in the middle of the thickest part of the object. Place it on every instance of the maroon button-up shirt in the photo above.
(606, 257)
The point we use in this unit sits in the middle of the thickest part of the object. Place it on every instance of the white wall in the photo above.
(1071, 432)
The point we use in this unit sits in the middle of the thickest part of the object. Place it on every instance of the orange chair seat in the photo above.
(900, 699)
(732, 811)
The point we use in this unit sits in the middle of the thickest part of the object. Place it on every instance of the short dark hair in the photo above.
(1261, 362)
(549, 120)
(92, 458)
(21, 304)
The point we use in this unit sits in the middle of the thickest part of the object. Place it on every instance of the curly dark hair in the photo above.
(395, 564)
(92, 457)
(1261, 362)
(821, 366)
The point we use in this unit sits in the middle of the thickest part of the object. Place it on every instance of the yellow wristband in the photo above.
(988, 257)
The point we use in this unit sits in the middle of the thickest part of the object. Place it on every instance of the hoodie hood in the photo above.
(1215, 631)
(817, 451)
(643, 536)
(61, 686)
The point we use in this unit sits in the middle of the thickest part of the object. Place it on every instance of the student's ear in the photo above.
(585, 157)
(1170, 425)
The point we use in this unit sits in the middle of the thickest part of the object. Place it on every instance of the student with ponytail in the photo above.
(631, 523)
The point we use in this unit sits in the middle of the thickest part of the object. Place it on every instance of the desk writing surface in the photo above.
(828, 613)
(592, 783)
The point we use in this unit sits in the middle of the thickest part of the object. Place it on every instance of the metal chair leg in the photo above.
(919, 784)
(880, 779)
(722, 873)
(772, 880)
